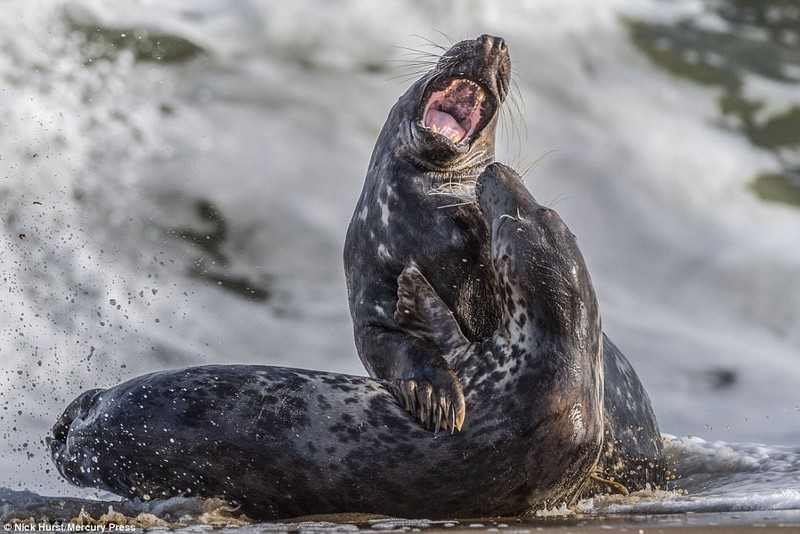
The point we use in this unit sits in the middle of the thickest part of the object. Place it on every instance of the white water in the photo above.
(274, 124)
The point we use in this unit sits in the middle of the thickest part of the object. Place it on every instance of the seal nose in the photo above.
(490, 41)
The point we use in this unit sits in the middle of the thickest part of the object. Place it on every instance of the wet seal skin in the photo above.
(289, 442)
(417, 207)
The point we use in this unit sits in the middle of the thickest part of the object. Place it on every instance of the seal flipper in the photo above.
(422, 313)
(435, 396)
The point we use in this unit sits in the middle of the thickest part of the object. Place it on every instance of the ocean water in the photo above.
(176, 179)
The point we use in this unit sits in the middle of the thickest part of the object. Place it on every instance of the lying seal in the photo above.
(288, 442)
(438, 138)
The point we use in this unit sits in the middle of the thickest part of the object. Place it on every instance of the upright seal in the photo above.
(439, 136)
(417, 208)
(289, 442)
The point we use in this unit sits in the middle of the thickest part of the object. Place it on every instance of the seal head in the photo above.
(456, 114)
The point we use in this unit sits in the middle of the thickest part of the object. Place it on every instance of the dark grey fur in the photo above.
(397, 222)
(288, 442)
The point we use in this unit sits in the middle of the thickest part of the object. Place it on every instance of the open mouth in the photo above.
(455, 111)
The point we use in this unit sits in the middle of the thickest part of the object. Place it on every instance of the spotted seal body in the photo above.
(288, 442)
(430, 146)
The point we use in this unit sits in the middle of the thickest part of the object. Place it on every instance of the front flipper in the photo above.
(435, 398)
(422, 313)
(434, 395)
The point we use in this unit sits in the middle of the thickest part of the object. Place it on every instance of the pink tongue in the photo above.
(444, 124)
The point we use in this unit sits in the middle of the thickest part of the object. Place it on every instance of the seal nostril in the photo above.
(490, 41)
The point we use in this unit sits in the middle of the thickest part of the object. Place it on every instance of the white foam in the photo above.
(717, 477)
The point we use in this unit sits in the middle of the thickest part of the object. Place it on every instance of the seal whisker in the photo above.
(541, 158)
(527, 166)
(463, 191)
(405, 77)
(431, 42)
(516, 93)
(479, 154)
(455, 205)
(514, 124)
(416, 60)
(558, 199)
(406, 65)
(421, 61)
(408, 51)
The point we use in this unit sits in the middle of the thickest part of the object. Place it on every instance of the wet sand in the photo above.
(33, 509)
(783, 521)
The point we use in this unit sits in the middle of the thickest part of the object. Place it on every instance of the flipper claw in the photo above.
(435, 409)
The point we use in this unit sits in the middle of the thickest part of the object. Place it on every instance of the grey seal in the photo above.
(417, 207)
(289, 442)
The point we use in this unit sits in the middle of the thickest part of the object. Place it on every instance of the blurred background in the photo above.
(176, 179)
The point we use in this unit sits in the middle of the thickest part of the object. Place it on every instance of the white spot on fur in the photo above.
(384, 205)
(383, 252)
(576, 418)
(384, 213)
(362, 215)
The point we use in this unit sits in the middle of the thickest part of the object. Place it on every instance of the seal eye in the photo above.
(455, 111)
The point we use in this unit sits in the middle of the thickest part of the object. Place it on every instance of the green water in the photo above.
(762, 39)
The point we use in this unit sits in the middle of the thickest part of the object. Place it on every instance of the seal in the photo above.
(439, 136)
(288, 442)
(417, 207)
